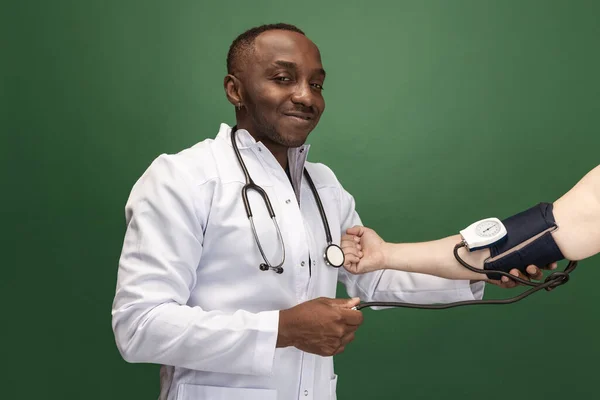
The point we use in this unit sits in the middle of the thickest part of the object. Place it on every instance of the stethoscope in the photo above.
(333, 255)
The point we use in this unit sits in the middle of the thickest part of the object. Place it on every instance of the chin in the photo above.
(292, 136)
(290, 140)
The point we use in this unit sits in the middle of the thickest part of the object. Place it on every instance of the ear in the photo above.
(233, 90)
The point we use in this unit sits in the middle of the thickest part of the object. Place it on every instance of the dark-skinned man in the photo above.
(239, 303)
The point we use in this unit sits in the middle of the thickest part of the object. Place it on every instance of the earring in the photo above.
(239, 107)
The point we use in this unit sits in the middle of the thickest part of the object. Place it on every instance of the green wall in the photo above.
(438, 113)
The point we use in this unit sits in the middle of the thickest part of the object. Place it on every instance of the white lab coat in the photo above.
(190, 295)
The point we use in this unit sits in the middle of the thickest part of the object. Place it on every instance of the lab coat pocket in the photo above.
(201, 392)
(333, 388)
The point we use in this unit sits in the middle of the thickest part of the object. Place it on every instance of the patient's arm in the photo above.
(577, 214)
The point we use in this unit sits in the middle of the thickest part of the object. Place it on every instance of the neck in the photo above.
(279, 151)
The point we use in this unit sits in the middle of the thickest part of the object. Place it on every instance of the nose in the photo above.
(303, 94)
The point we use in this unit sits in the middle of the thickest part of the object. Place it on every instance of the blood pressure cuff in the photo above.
(522, 227)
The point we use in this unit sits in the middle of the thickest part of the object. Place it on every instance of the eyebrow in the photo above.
(294, 66)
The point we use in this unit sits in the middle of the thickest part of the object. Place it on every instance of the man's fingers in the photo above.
(348, 337)
(519, 274)
(506, 282)
(534, 272)
(352, 318)
(514, 272)
(345, 303)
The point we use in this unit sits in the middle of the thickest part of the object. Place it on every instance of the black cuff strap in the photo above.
(520, 228)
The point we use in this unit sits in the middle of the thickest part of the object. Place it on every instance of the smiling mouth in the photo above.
(299, 117)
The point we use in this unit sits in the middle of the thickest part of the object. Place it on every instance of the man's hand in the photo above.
(363, 250)
(321, 326)
(533, 272)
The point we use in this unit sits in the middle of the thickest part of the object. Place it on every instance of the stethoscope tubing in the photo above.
(250, 185)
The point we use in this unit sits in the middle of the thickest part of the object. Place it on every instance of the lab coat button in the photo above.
(302, 263)
(287, 201)
(306, 392)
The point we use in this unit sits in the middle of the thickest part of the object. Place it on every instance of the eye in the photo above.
(317, 86)
(282, 79)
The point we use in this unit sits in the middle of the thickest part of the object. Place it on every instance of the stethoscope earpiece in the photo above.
(265, 267)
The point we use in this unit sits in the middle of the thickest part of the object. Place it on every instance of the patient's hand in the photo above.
(363, 249)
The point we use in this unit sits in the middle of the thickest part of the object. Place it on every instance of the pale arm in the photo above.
(577, 214)
(398, 285)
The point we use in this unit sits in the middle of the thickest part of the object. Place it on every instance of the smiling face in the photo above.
(280, 88)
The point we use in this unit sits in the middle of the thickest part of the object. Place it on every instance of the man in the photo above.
(192, 294)
(576, 214)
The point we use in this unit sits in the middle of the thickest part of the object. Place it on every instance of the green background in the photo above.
(439, 113)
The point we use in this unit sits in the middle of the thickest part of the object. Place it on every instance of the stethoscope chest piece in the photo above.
(334, 256)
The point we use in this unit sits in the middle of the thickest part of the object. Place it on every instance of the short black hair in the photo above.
(242, 45)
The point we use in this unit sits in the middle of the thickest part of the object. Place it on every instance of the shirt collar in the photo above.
(296, 155)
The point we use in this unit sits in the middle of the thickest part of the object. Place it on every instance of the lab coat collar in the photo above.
(296, 155)
(244, 139)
